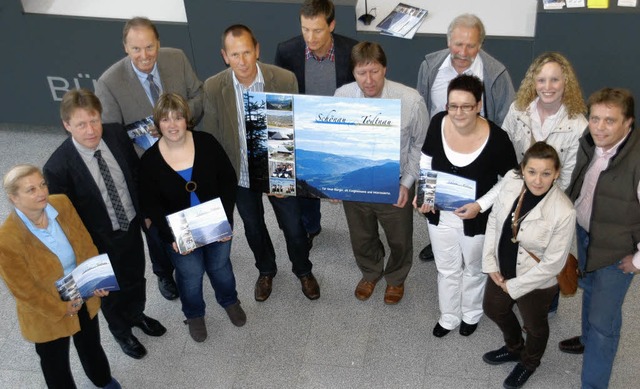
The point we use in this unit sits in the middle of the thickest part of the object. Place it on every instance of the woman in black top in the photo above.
(461, 142)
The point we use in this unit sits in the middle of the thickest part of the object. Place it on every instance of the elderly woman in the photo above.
(42, 240)
(549, 107)
(529, 235)
(181, 170)
(461, 142)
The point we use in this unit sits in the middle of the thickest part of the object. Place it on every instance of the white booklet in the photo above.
(199, 225)
(93, 274)
(403, 21)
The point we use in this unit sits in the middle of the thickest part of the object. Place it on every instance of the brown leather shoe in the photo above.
(393, 294)
(364, 290)
(571, 346)
(263, 287)
(310, 287)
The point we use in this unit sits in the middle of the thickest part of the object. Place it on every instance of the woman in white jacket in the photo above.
(531, 217)
(549, 107)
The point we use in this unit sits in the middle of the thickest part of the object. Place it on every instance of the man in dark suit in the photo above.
(320, 60)
(127, 95)
(224, 118)
(96, 170)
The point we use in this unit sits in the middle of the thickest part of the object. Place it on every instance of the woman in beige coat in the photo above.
(531, 217)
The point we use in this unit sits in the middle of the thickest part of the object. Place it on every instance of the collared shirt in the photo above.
(53, 237)
(584, 202)
(256, 86)
(142, 76)
(539, 130)
(331, 54)
(446, 73)
(116, 174)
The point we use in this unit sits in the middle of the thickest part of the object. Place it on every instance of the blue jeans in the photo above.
(287, 211)
(603, 292)
(213, 259)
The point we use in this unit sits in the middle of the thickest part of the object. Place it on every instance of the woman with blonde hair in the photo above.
(549, 107)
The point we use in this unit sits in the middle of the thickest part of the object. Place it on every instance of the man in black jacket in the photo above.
(96, 169)
(320, 60)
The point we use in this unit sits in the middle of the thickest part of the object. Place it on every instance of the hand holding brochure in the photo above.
(139, 132)
(199, 225)
(444, 191)
(93, 274)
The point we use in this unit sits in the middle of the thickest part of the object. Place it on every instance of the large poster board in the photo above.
(323, 146)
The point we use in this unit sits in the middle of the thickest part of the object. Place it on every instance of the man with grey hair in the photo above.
(464, 55)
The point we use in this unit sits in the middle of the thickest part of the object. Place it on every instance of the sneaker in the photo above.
(500, 356)
(518, 377)
(197, 329)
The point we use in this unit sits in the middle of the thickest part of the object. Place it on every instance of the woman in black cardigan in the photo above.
(461, 142)
(181, 170)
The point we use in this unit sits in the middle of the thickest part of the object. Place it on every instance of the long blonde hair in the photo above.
(572, 95)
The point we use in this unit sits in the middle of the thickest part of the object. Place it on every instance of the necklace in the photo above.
(41, 223)
(516, 218)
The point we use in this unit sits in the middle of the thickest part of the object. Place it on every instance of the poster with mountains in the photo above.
(324, 146)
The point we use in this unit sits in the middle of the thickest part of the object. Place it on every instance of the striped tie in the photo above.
(118, 208)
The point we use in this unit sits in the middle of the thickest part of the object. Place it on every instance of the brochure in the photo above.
(138, 131)
(403, 21)
(93, 274)
(627, 3)
(199, 225)
(324, 146)
(598, 3)
(575, 4)
(553, 4)
(447, 192)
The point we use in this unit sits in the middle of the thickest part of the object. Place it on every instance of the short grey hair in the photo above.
(15, 174)
(468, 21)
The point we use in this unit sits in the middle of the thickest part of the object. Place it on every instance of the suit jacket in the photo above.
(290, 55)
(220, 112)
(124, 100)
(66, 173)
(30, 271)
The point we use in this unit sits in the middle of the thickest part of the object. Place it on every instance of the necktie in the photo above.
(153, 88)
(118, 208)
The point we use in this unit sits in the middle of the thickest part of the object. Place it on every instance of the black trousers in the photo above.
(126, 306)
(534, 309)
(160, 259)
(54, 356)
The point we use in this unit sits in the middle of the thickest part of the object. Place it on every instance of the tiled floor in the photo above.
(291, 342)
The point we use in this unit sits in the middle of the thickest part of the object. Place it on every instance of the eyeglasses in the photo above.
(465, 108)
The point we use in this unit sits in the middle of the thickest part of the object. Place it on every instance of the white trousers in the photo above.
(460, 278)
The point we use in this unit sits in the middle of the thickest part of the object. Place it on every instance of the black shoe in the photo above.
(168, 288)
(150, 326)
(311, 236)
(572, 345)
(439, 331)
(518, 377)
(426, 254)
(467, 329)
(500, 356)
(132, 347)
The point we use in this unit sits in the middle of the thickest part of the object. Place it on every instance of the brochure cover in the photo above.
(199, 225)
(403, 21)
(139, 132)
(447, 192)
(93, 274)
(324, 146)
(553, 4)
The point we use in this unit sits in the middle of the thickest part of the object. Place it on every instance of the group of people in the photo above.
(524, 151)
